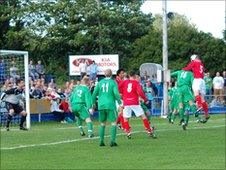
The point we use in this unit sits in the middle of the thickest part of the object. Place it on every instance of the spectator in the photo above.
(224, 76)
(93, 69)
(64, 107)
(13, 71)
(67, 90)
(218, 85)
(40, 69)
(2, 71)
(7, 85)
(209, 83)
(37, 93)
(149, 91)
(92, 86)
(82, 68)
(146, 76)
(54, 97)
(61, 93)
(32, 71)
(52, 84)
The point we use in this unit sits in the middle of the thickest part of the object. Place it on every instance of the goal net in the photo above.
(14, 66)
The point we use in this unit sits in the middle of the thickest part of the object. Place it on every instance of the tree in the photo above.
(10, 24)
(53, 28)
(183, 41)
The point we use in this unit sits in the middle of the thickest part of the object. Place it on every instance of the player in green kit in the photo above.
(186, 98)
(174, 102)
(81, 105)
(107, 92)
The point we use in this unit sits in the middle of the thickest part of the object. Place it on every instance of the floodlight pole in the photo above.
(99, 27)
(165, 57)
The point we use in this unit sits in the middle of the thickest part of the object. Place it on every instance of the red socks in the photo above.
(205, 108)
(147, 125)
(198, 101)
(120, 120)
(126, 127)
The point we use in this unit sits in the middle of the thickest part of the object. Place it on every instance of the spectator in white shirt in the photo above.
(93, 69)
(83, 68)
(218, 87)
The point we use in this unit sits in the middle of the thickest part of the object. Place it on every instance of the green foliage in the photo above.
(51, 29)
(183, 41)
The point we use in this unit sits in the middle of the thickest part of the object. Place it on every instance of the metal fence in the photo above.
(155, 107)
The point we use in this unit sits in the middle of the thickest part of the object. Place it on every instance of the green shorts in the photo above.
(107, 114)
(80, 111)
(174, 105)
(185, 94)
(187, 106)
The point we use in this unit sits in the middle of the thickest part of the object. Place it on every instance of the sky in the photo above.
(208, 16)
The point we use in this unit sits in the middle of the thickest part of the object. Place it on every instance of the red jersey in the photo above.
(118, 80)
(197, 67)
(131, 90)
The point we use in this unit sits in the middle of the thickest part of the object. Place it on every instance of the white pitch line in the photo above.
(76, 140)
(69, 128)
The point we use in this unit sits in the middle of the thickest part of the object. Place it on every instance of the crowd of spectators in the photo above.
(58, 96)
(216, 87)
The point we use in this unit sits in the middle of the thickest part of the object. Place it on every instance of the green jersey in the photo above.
(107, 92)
(81, 95)
(173, 93)
(183, 77)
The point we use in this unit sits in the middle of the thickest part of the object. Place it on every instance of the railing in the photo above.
(40, 109)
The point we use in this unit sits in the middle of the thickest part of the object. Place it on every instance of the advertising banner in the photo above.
(103, 62)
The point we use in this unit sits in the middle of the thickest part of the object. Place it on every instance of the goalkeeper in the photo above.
(14, 98)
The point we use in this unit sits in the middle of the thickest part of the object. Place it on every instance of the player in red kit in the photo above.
(198, 85)
(119, 79)
(131, 90)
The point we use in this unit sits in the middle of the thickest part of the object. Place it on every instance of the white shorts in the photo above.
(199, 85)
(137, 109)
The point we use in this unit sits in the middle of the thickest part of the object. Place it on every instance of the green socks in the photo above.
(90, 128)
(79, 123)
(101, 133)
(181, 113)
(193, 108)
(186, 118)
(113, 133)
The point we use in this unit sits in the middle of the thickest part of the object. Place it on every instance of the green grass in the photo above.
(202, 146)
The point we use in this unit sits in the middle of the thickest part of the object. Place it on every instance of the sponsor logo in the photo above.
(76, 62)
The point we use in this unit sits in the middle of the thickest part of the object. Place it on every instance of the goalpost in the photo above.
(22, 58)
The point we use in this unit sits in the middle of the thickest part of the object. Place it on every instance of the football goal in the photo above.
(13, 66)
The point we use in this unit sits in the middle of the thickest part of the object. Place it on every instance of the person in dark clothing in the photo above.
(13, 99)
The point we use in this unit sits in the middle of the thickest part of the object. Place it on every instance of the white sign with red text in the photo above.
(103, 62)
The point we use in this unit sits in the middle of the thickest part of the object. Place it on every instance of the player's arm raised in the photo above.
(174, 74)
(189, 67)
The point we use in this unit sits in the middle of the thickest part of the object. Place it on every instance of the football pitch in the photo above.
(59, 146)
